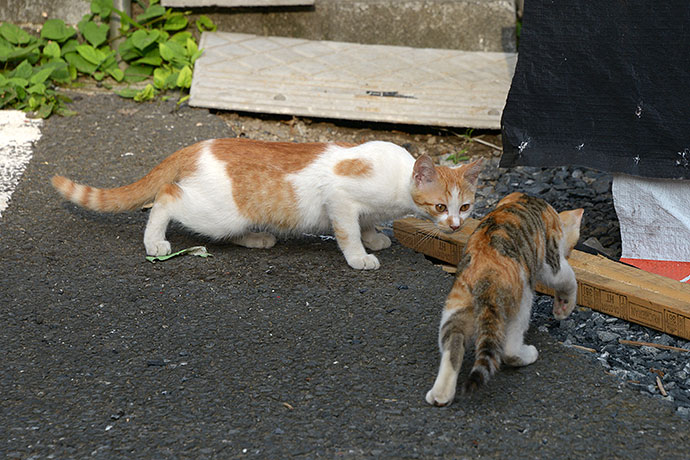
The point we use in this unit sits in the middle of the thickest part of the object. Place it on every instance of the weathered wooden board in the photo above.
(603, 285)
(233, 3)
(352, 81)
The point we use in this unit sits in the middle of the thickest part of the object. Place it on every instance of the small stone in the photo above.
(606, 336)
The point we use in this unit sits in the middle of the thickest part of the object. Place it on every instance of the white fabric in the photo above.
(654, 217)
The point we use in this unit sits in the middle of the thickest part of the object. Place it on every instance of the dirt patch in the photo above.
(443, 144)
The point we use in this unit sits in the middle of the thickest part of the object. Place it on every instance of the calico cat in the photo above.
(241, 190)
(519, 243)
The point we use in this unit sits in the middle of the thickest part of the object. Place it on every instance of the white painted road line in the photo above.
(17, 136)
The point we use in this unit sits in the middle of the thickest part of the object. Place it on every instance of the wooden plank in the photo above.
(603, 284)
(351, 81)
(234, 3)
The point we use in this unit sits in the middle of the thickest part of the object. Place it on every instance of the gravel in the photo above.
(587, 331)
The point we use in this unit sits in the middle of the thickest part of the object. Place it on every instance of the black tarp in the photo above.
(602, 84)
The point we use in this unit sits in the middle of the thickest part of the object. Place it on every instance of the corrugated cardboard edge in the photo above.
(603, 285)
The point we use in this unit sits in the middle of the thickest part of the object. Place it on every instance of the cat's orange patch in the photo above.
(340, 234)
(168, 193)
(353, 167)
(257, 170)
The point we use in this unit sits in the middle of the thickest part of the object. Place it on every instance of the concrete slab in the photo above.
(233, 3)
(351, 81)
(471, 25)
(37, 11)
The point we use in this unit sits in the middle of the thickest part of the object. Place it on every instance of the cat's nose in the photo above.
(454, 227)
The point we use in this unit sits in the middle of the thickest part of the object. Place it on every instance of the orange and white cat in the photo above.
(520, 242)
(246, 190)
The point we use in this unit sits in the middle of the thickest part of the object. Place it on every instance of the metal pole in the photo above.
(122, 5)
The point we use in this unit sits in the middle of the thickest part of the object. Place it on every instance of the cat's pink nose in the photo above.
(454, 227)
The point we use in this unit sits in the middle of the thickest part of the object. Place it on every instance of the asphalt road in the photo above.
(276, 353)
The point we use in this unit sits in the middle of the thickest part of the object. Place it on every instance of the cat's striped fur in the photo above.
(246, 190)
(521, 242)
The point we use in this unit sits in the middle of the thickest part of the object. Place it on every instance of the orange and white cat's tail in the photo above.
(490, 324)
(125, 198)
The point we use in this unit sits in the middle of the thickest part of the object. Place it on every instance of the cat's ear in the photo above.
(471, 171)
(572, 219)
(424, 171)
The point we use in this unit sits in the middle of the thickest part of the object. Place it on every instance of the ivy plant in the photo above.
(156, 46)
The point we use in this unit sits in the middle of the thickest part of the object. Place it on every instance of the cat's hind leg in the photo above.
(374, 240)
(454, 334)
(515, 352)
(261, 240)
(159, 217)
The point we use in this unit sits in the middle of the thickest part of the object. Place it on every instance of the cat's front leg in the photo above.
(345, 222)
(565, 287)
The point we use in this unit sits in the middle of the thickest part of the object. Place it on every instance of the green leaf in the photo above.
(23, 70)
(160, 76)
(102, 8)
(38, 88)
(40, 76)
(96, 34)
(127, 93)
(150, 60)
(45, 110)
(98, 76)
(204, 23)
(184, 79)
(176, 21)
(196, 56)
(91, 54)
(14, 34)
(59, 71)
(81, 64)
(128, 51)
(183, 99)
(146, 94)
(141, 39)
(137, 73)
(18, 83)
(174, 52)
(182, 37)
(52, 50)
(116, 73)
(153, 11)
(5, 51)
(70, 46)
(191, 47)
(55, 29)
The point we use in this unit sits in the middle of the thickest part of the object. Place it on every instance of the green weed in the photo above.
(156, 46)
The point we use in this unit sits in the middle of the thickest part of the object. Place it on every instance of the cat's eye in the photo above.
(464, 207)
(441, 207)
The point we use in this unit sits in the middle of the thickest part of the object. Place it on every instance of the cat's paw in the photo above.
(376, 241)
(563, 306)
(260, 240)
(439, 399)
(366, 262)
(157, 248)
(526, 356)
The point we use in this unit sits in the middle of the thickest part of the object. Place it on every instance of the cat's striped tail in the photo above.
(128, 197)
(490, 333)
